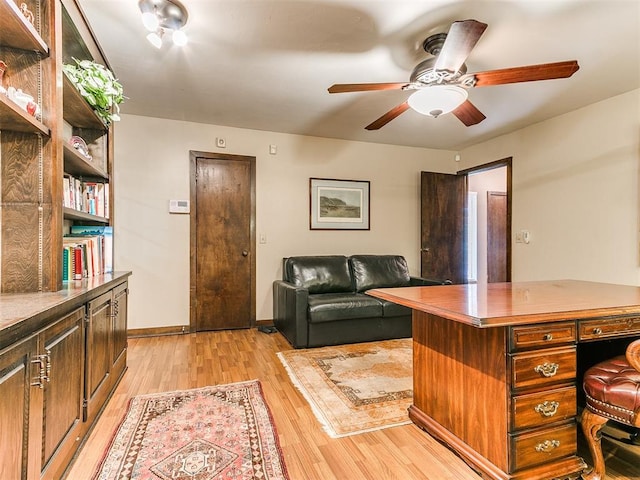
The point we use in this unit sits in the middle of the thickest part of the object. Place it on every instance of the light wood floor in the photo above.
(177, 362)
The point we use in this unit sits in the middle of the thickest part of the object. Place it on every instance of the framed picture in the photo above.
(338, 204)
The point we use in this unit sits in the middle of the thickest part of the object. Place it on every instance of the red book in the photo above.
(77, 267)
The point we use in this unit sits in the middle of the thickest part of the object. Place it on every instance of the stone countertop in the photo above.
(15, 308)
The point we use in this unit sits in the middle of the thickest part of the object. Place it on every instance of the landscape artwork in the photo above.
(339, 204)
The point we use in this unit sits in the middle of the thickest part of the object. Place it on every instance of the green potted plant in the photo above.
(98, 86)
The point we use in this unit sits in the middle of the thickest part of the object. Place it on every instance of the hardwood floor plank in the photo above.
(177, 362)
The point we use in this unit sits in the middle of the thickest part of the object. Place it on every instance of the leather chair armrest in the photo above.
(290, 305)
(424, 282)
(633, 354)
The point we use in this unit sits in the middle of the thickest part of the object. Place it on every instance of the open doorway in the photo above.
(466, 224)
(488, 244)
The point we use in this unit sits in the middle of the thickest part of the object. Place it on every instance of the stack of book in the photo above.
(86, 196)
(87, 252)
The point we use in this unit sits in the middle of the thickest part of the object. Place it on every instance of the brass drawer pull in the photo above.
(597, 331)
(547, 337)
(547, 446)
(42, 377)
(547, 409)
(547, 369)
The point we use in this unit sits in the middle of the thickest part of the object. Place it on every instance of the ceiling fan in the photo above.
(440, 83)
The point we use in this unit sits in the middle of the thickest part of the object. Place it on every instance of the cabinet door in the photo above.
(63, 345)
(16, 393)
(98, 355)
(120, 294)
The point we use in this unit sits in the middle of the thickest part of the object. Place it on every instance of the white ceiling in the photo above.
(267, 64)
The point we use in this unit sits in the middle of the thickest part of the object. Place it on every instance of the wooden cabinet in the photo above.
(62, 347)
(42, 377)
(55, 381)
(15, 384)
(35, 149)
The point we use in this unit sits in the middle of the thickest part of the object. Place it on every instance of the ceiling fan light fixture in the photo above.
(437, 99)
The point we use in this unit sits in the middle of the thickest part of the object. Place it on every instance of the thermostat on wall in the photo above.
(178, 206)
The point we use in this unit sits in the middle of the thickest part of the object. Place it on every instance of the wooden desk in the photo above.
(495, 368)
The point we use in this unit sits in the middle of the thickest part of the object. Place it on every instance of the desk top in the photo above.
(502, 304)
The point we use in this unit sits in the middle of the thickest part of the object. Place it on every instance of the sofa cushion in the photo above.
(379, 271)
(319, 274)
(329, 307)
(390, 309)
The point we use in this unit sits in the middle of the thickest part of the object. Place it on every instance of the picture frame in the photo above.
(339, 204)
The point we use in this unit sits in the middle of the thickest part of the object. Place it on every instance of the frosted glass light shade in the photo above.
(150, 21)
(179, 38)
(155, 39)
(438, 99)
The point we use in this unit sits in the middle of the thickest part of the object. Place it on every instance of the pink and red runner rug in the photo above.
(224, 431)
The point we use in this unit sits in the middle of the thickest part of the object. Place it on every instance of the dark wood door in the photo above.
(443, 207)
(224, 242)
(497, 237)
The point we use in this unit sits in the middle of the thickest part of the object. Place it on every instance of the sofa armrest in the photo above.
(633, 354)
(290, 305)
(424, 282)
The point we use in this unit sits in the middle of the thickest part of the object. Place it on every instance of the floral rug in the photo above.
(219, 432)
(355, 388)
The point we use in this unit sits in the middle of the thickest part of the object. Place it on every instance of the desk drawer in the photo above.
(542, 408)
(612, 327)
(543, 367)
(531, 449)
(547, 335)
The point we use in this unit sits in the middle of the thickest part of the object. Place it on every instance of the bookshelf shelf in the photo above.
(17, 32)
(76, 109)
(77, 165)
(13, 118)
(71, 214)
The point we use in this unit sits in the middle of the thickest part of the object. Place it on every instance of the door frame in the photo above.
(194, 155)
(508, 163)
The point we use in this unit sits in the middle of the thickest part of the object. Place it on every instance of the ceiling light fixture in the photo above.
(437, 99)
(158, 16)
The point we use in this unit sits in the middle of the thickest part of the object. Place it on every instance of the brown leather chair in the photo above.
(612, 389)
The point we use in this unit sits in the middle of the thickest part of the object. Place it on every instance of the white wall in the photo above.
(575, 188)
(152, 166)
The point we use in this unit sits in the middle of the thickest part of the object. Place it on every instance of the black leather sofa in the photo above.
(321, 301)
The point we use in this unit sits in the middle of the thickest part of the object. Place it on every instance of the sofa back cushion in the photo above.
(319, 274)
(379, 271)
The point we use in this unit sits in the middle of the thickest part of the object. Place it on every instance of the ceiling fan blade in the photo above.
(468, 114)
(387, 117)
(365, 87)
(462, 37)
(530, 73)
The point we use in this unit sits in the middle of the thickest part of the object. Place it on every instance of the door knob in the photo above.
(244, 253)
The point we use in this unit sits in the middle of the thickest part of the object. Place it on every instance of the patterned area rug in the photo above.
(220, 432)
(355, 388)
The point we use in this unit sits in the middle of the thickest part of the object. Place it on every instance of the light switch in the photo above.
(263, 238)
